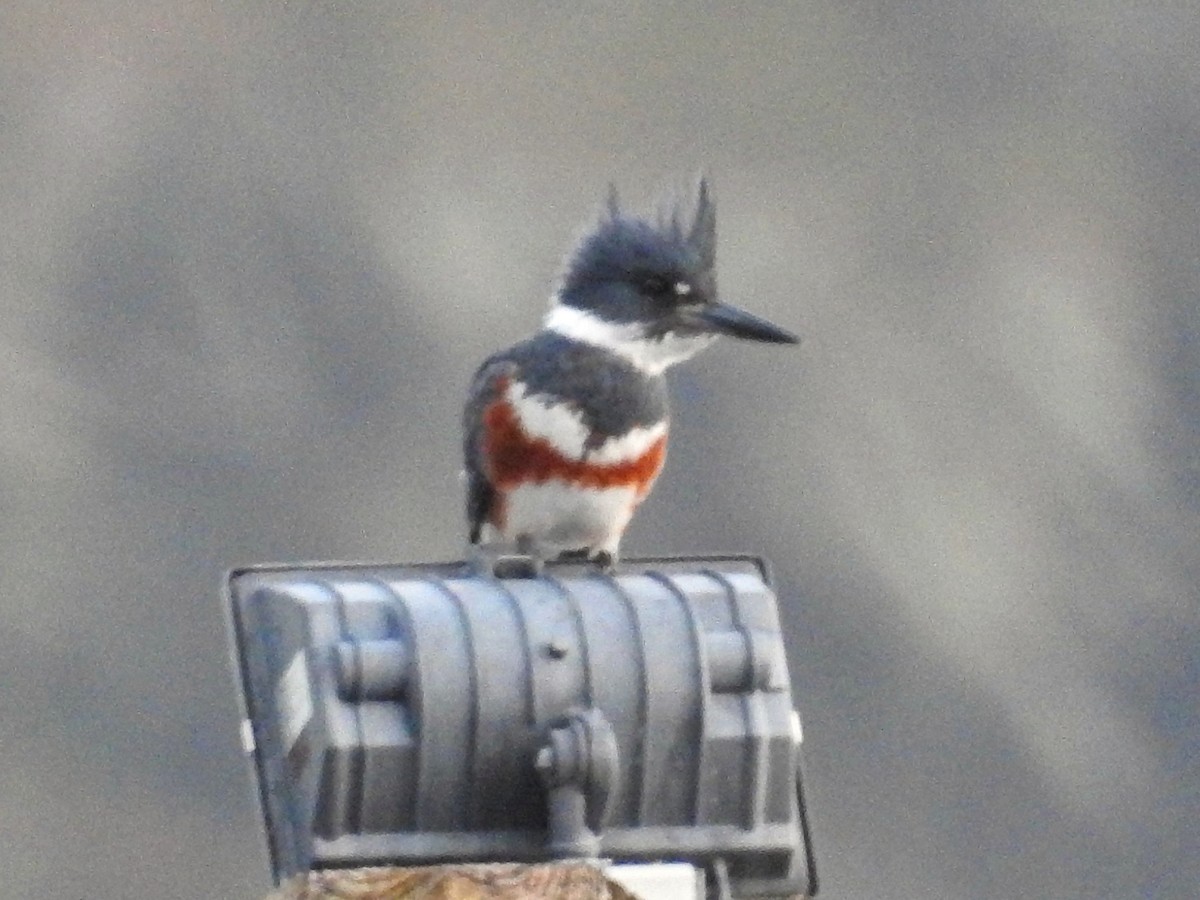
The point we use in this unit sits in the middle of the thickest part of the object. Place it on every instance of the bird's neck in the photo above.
(628, 340)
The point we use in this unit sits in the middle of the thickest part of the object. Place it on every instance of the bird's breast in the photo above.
(538, 438)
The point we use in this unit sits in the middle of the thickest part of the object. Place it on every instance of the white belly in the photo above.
(567, 517)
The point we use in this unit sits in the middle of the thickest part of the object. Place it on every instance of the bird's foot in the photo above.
(572, 556)
(604, 560)
(500, 561)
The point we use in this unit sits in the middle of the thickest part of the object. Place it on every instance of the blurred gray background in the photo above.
(252, 253)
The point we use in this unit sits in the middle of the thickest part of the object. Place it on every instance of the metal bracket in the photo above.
(578, 766)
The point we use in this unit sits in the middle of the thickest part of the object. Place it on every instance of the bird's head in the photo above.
(647, 291)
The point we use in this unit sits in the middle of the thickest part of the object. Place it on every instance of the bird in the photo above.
(565, 432)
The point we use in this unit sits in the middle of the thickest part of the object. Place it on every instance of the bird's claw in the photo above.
(604, 560)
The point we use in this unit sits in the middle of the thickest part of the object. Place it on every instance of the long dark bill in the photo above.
(724, 319)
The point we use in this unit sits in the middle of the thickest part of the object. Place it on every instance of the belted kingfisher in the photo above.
(565, 432)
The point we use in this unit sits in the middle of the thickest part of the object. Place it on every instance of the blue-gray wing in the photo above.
(486, 388)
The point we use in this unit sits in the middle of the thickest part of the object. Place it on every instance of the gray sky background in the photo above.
(253, 251)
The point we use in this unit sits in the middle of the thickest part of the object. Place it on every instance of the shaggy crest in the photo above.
(683, 240)
(701, 233)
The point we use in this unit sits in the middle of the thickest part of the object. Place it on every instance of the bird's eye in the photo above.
(656, 286)
(668, 289)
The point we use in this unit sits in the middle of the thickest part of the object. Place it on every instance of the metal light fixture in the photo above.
(419, 714)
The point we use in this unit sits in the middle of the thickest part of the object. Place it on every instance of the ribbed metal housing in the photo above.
(398, 710)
